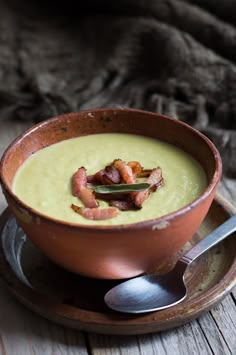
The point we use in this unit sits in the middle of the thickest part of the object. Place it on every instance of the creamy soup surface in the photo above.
(44, 180)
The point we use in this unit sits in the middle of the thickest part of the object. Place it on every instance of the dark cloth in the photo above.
(169, 56)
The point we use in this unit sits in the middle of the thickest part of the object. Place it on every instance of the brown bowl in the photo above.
(119, 251)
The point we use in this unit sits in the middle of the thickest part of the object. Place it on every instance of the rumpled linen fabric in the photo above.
(169, 56)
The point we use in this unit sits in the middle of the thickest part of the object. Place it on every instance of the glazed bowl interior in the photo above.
(115, 251)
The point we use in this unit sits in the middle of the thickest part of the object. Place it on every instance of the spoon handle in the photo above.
(220, 233)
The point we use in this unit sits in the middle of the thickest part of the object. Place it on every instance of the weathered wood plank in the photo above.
(185, 340)
(212, 333)
(224, 316)
(114, 345)
(24, 333)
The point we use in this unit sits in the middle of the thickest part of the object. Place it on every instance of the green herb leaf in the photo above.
(121, 188)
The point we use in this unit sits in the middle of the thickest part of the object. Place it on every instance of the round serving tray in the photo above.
(77, 302)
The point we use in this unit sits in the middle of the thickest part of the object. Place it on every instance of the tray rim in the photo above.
(117, 323)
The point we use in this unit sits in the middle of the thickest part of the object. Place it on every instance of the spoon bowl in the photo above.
(156, 292)
(149, 291)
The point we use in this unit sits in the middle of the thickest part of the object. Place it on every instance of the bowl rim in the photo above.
(212, 184)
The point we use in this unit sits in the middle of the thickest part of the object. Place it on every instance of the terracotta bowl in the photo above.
(111, 252)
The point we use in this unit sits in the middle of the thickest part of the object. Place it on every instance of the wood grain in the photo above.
(25, 333)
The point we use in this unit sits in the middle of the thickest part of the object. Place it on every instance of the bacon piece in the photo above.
(138, 170)
(87, 196)
(155, 180)
(96, 178)
(96, 213)
(80, 190)
(79, 181)
(111, 175)
(123, 205)
(144, 173)
(135, 166)
(125, 171)
(109, 197)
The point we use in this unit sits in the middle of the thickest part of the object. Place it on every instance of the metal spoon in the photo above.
(155, 292)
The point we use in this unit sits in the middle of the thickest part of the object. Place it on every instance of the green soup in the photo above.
(44, 180)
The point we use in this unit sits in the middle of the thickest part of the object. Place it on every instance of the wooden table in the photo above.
(23, 332)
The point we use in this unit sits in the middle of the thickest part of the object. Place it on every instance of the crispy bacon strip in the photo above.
(144, 173)
(109, 197)
(109, 175)
(123, 205)
(96, 213)
(79, 181)
(87, 196)
(96, 178)
(155, 180)
(80, 189)
(135, 166)
(125, 171)
(138, 170)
